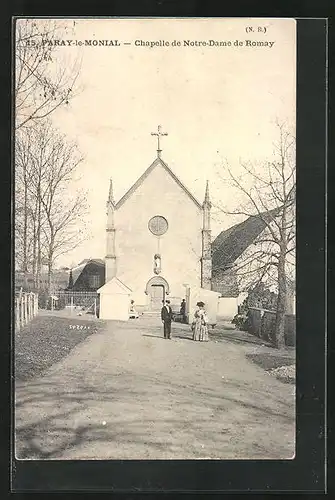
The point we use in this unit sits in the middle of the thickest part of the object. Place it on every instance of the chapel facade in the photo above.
(158, 238)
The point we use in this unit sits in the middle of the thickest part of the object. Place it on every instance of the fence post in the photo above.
(17, 314)
(26, 308)
(95, 308)
(32, 305)
(21, 311)
(19, 306)
(15, 309)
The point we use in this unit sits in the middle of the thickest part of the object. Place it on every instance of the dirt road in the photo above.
(127, 393)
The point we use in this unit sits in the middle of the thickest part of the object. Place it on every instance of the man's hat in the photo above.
(200, 304)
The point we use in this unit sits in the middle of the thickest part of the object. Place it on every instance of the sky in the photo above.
(217, 104)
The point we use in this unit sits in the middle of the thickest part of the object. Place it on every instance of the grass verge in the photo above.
(46, 340)
(280, 365)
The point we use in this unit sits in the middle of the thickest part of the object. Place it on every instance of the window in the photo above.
(94, 281)
(158, 225)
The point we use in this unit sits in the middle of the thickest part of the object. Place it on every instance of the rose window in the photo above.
(158, 225)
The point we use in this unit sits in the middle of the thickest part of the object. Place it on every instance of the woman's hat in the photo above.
(200, 304)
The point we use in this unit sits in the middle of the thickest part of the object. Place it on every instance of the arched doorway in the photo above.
(157, 288)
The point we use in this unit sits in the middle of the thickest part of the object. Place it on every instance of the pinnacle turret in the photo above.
(110, 194)
(207, 200)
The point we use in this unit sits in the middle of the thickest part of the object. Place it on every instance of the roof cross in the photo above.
(159, 134)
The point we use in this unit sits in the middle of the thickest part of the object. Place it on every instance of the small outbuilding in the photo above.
(114, 300)
(210, 299)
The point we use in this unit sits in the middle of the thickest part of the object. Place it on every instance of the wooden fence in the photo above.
(26, 308)
(261, 323)
(71, 298)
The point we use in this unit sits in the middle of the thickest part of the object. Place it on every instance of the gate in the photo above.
(78, 299)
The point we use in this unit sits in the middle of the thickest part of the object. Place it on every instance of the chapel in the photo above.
(158, 237)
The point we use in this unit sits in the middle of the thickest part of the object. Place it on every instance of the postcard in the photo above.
(155, 189)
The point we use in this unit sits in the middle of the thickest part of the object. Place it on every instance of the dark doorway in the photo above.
(157, 295)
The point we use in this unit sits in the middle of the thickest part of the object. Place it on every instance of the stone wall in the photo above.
(261, 323)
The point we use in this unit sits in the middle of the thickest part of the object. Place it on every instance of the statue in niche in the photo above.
(157, 263)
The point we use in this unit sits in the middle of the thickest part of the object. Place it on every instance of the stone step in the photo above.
(151, 313)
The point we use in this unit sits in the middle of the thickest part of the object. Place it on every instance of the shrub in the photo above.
(240, 321)
(43, 300)
(60, 303)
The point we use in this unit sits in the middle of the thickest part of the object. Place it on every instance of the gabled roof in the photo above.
(157, 161)
(231, 243)
(115, 286)
(84, 263)
(77, 270)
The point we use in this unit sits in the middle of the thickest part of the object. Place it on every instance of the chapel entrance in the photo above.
(157, 288)
(157, 295)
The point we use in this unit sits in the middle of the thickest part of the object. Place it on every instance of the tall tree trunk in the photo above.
(39, 225)
(279, 333)
(282, 280)
(49, 275)
(50, 263)
(25, 232)
(34, 256)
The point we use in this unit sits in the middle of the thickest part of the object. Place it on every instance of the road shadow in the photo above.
(153, 336)
(182, 337)
(53, 420)
(238, 337)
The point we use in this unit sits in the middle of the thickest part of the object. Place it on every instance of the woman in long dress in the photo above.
(133, 314)
(200, 324)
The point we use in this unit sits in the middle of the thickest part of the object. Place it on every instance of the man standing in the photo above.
(166, 315)
(183, 310)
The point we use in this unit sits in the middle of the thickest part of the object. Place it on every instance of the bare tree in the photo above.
(64, 225)
(53, 218)
(42, 83)
(28, 212)
(268, 193)
(22, 208)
